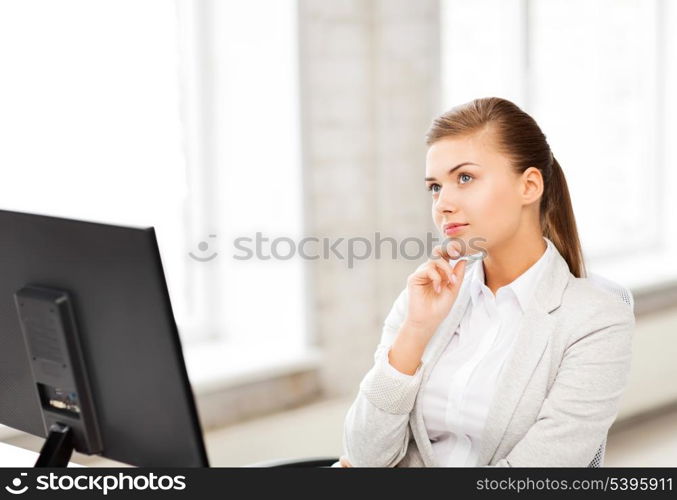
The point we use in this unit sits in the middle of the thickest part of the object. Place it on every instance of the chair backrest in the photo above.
(598, 459)
(626, 296)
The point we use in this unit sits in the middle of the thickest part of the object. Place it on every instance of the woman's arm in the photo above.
(376, 429)
(583, 401)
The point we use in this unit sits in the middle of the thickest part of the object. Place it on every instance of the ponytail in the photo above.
(558, 221)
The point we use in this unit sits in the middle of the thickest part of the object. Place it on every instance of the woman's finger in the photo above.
(344, 462)
(459, 270)
(451, 250)
(434, 276)
(427, 272)
(443, 265)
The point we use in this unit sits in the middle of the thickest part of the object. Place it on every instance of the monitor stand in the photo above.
(58, 448)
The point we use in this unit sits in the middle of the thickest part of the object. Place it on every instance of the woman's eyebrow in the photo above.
(452, 170)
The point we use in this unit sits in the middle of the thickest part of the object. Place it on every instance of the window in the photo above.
(180, 115)
(241, 109)
(89, 124)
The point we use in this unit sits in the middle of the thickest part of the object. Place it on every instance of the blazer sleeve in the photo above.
(583, 401)
(376, 430)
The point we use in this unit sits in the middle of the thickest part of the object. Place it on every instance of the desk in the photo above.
(13, 456)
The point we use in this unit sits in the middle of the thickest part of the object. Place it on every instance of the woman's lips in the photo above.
(454, 229)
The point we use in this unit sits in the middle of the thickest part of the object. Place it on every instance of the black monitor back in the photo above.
(142, 396)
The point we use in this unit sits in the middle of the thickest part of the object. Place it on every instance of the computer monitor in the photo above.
(90, 356)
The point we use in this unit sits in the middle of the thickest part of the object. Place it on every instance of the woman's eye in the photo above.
(465, 175)
(432, 188)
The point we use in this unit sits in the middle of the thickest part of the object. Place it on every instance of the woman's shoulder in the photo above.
(590, 300)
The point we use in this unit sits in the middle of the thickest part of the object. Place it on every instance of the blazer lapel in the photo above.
(530, 343)
(532, 338)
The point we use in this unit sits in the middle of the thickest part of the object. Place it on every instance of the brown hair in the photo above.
(519, 137)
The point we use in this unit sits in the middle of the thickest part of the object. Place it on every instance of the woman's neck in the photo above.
(504, 265)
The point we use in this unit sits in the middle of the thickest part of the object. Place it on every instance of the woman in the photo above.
(515, 360)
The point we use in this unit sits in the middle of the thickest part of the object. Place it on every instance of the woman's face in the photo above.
(485, 194)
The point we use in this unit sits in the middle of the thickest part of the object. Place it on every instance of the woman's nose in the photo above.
(444, 202)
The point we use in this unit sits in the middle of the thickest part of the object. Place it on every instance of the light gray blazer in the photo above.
(557, 395)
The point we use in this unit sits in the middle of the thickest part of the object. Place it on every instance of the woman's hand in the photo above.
(433, 289)
(344, 462)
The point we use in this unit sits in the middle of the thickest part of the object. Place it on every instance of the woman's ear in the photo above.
(531, 185)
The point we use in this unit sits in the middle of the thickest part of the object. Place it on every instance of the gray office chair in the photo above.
(603, 283)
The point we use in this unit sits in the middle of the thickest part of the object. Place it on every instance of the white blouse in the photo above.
(456, 397)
